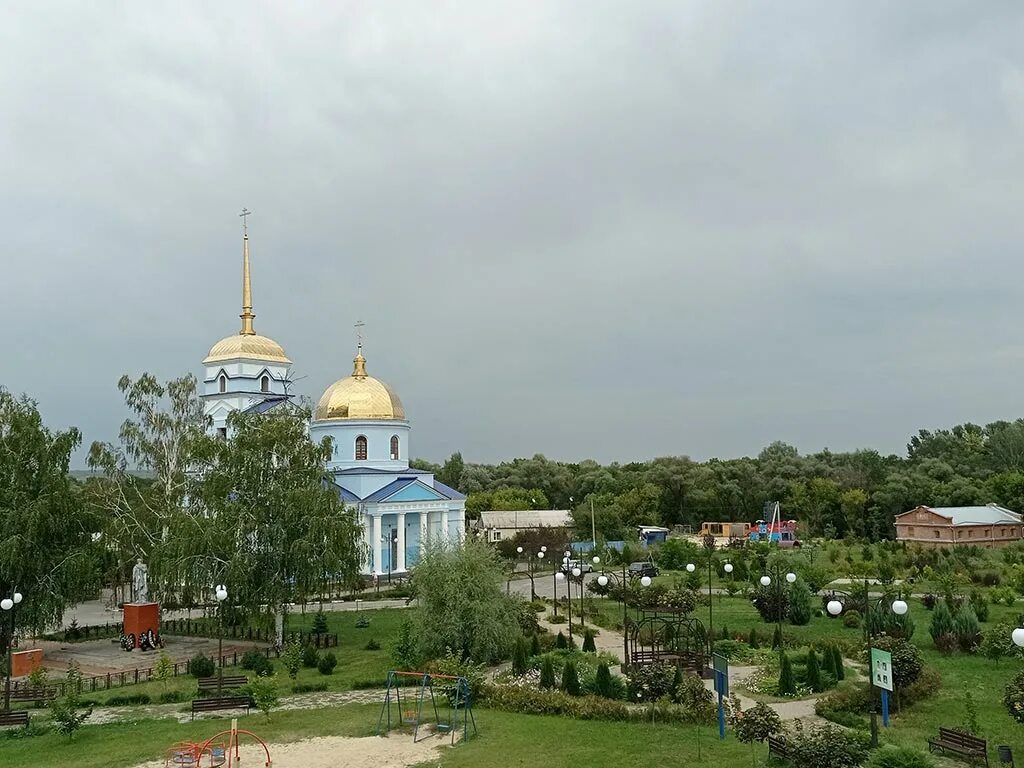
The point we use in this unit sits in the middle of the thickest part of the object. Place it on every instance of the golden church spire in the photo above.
(359, 362)
(247, 314)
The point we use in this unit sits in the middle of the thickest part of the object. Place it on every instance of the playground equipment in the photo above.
(212, 753)
(457, 705)
(778, 531)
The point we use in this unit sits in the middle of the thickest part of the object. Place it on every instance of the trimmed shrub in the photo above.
(851, 618)
(588, 643)
(535, 645)
(755, 724)
(327, 663)
(309, 687)
(1013, 697)
(519, 657)
(291, 659)
(907, 661)
(799, 610)
(310, 657)
(570, 679)
(827, 746)
(787, 683)
(603, 682)
(979, 603)
(967, 629)
(942, 627)
(547, 673)
(837, 663)
(770, 603)
(319, 623)
(752, 639)
(651, 682)
(372, 645)
(536, 701)
(814, 672)
(777, 639)
(561, 643)
(201, 666)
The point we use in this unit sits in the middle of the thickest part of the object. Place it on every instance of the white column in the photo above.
(444, 526)
(461, 524)
(368, 540)
(400, 555)
(377, 555)
(424, 529)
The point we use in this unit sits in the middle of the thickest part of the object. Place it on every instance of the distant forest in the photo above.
(835, 495)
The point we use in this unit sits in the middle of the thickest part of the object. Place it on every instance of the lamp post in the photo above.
(221, 593)
(899, 607)
(10, 604)
(603, 580)
(577, 573)
(766, 580)
(563, 575)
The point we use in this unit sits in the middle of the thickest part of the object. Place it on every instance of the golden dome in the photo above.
(359, 396)
(251, 346)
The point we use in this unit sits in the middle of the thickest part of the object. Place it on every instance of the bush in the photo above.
(770, 604)
(263, 691)
(1013, 698)
(372, 645)
(827, 746)
(65, 711)
(787, 683)
(257, 662)
(752, 639)
(603, 682)
(201, 666)
(929, 601)
(519, 657)
(907, 661)
(172, 697)
(967, 629)
(979, 603)
(310, 657)
(689, 691)
(942, 628)
(900, 757)
(559, 619)
(560, 642)
(319, 623)
(536, 701)
(837, 667)
(129, 700)
(570, 679)
(755, 724)
(291, 659)
(309, 687)
(588, 643)
(547, 673)
(851, 618)
(535, 645)
(327, 663)
(777, 639)
(813, 675)
(799, 610)
(997, 643)
(651, 682)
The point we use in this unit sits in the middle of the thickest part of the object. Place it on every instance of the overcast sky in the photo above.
(614, 230)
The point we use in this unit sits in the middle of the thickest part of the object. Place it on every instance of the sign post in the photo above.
(881, 677)
(721, 665)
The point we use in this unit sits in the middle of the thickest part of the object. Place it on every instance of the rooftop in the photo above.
(977, 515)
(526, 518)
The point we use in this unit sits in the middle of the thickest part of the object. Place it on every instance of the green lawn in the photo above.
(504, 739)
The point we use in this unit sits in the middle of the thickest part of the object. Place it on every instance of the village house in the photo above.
(987, 526)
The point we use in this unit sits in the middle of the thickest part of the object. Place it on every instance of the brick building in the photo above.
(987, 526)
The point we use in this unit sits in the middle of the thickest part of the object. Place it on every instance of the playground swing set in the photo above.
(457, 706)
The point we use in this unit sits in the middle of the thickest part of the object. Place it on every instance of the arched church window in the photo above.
(394, 447)
(265, 384)
(361, 448)
(223, 383)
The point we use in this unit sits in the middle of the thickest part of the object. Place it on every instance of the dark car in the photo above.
(643, 569)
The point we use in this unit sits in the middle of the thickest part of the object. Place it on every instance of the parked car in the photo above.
(642, 569)
(583, 565)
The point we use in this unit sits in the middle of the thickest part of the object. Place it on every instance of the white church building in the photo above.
(398, 508)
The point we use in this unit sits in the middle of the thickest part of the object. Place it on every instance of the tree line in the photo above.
(834, 495)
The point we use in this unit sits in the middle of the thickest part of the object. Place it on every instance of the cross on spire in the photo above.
(359, 333)
(245, 222)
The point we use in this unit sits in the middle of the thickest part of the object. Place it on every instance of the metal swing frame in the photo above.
(461, 707)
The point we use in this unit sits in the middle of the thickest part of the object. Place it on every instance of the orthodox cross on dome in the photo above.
(244, 214)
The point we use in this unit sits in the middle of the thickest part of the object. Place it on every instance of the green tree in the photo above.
(603, 682)
(291, 659)
(463, 604)
(451, 473)
(46, 527)
(535, 645)
(264, 693)
(547, 673)
(560, 642)
(588, 642)
(163, 670)
(942, 625)
(838, 666)
(66, 710)
(570, 679)
(271, 527)
(165, 435)
(787, 683)
(405, 649)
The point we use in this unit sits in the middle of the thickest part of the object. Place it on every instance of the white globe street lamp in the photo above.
(645, 581)
(597, 560)
(576, 572)
(560, 576)
(519, 550)
(17, 597)
(766, 580)
(543, 548)
(602, 580)
(221, 593)
(6, 603)
(1018, 637)
(900, 607)
(540, 555)
(791, 577)
(690, 567)
(727, 567)
(567, 554)
(834, 607)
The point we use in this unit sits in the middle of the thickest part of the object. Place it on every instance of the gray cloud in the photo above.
(600, 230)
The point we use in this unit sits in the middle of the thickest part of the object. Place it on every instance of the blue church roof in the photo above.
(448, 491)
(265, 405)
(375, 471)
(344, 493)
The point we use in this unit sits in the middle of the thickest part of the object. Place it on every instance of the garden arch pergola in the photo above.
(659, 637)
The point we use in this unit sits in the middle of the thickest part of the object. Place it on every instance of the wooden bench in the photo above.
(37, 694)
(223, 702)
(962, 744)
(14, 717)
(231, 683)
(777, 749)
